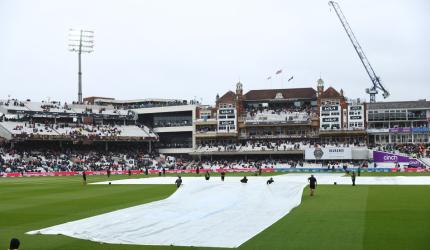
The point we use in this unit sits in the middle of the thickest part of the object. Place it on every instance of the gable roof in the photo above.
(331, 93)
(271, 94)
(228, 97)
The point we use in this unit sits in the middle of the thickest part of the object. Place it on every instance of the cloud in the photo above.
(190, 48)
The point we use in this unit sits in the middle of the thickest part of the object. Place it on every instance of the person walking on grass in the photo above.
(353, 178)
(108, 173)
(14, 244)
(312, 184)
(84, 177)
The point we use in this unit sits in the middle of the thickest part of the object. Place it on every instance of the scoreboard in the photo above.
(330, 117)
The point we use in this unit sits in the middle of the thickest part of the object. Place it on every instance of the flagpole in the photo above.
(280, 77)
(282, 81)
(270, 80)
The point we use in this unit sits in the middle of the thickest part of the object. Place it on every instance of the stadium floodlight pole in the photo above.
(81, 41)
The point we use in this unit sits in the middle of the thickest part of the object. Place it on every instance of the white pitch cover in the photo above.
(200, 213)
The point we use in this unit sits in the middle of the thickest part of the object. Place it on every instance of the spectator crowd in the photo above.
(414, 150)
(50, 160)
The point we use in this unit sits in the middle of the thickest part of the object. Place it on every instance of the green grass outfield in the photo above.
(338, 217)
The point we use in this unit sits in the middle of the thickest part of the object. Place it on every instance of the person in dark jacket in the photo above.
(244, 180)
(353, 178)
(270, 181)
(84, 177)
(222, 175)
(312, 184)
(14, 244)
(178, 182)
(207, 176)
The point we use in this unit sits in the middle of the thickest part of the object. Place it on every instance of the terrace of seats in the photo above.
(18, 128)
(251, 147)
(256, 146)
(57, 107)
(23, 129)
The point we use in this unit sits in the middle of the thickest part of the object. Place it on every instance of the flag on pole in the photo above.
(291, 78)
(279, 72)
(268, 78)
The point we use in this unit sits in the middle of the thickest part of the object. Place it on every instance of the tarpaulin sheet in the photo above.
(200, 213)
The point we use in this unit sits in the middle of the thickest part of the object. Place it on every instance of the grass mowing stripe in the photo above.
(398, 217)
(49, 210)
(333, 219)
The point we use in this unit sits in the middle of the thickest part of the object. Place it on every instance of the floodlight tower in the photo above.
(81, 41)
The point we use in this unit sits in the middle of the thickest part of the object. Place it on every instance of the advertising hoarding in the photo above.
(335, 153)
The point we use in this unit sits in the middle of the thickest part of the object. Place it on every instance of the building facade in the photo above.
(398, 122)
(262, 121)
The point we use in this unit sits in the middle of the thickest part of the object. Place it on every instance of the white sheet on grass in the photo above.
(323, 178)
(206, 213)
(340, 179)
(199, 213)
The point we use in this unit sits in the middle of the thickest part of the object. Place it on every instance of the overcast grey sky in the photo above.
(187, 48)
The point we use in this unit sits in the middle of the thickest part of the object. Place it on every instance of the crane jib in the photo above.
(376, 82)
